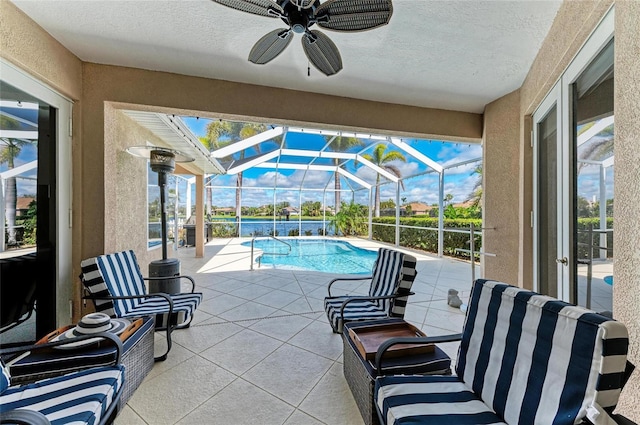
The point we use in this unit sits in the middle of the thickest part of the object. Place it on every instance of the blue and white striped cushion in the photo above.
(78, 398)
(116, 275)
(386, 275)
(5, 377)
(186, 303)
(534, 368)
(394, 272)
(355, 310)
(430, 400)
(119, 275)
(529, 358)
(408, 276)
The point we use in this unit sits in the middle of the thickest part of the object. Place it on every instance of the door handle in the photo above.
(563, 260)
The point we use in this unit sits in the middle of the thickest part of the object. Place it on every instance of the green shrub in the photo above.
(223, 229)
(583, 237)
(426, 238)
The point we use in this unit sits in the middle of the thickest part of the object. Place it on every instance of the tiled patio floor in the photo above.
(260, 349)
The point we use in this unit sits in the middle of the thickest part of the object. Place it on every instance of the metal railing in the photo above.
(253, 240)
(589, 260)
(472, 252)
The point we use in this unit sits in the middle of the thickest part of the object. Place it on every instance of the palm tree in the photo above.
(382, 159)
(222, 133)
(9, 151)
(341, 144)
(476, 194)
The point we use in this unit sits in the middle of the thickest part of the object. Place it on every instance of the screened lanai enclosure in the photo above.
(295, 181)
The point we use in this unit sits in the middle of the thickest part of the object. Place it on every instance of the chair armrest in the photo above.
(24, 417)
(109, 337)
(133, 297)
(411, 340)
(346, 279)
(193, 282)
(368, 298)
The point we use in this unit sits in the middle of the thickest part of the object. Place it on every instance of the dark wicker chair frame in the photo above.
(32, 417)
(169, 328)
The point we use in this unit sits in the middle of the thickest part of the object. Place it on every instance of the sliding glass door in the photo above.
(573, 137)
(35, 196)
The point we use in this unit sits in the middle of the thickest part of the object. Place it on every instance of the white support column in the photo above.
(300, 212)
(398, 213)
(370, 213)
(603, 211)
(239, 218)
(274, 211)
(199, 216)
(441, 215)
(189, 186)
(324, 212)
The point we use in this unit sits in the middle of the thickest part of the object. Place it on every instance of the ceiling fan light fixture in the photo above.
(303, 4)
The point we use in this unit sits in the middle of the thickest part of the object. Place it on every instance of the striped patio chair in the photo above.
(89, 396)
(391, 280)
(116, 287)
(524, 358)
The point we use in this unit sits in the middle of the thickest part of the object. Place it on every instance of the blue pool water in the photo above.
(324, 255)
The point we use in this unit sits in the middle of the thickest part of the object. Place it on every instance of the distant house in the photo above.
(465, 204)
(291, 211)
(224, 211)
(417, 208)
(22, 205)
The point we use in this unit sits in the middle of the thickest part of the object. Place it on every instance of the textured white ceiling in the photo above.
(449, 54)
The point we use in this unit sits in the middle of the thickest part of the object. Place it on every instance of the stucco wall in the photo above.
(124, 173)
(626, 268)
(500, 162)
(28, 46)
(178, 94)
(574, 23)
(572, 26)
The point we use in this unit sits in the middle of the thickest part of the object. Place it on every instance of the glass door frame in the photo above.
(562, 96)
(552, 100)
(64, 109)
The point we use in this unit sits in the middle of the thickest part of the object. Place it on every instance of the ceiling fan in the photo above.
(300, 15)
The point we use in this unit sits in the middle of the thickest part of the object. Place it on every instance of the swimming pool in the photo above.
(324, 255)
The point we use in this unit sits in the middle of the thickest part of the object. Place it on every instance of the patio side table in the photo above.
(360, 372)
(137, 357)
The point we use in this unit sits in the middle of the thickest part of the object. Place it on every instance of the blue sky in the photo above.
(458, 181)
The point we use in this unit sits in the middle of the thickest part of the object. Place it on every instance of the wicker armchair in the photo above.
(391, 281)
(116, 287)
(88, 395)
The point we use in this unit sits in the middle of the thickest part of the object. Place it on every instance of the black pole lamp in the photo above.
(162, 161)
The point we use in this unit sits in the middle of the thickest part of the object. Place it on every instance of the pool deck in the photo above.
(260, 349)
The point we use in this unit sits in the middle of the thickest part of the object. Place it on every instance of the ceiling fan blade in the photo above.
(258, 7)
(322, 53)
(270, 46)
(354, 15)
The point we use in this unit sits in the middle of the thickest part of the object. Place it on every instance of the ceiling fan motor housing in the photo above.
(300, 15)
(298, 18)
